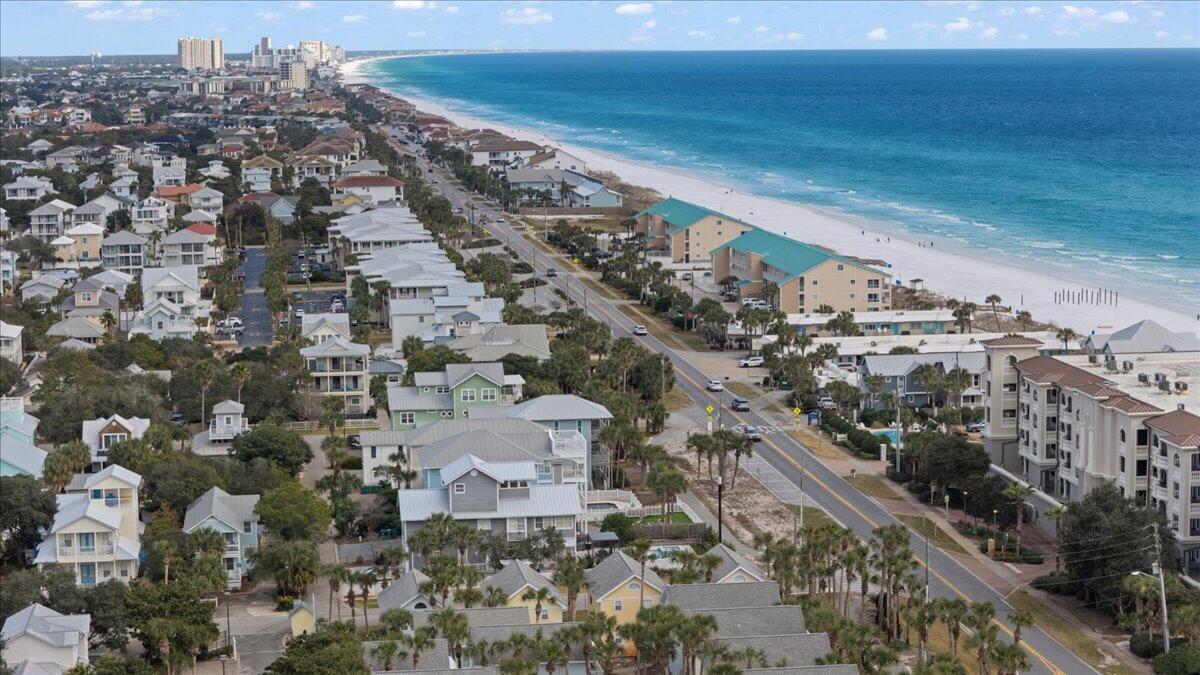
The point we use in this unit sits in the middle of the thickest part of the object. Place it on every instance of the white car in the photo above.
(232, 322)
(713, 385)
(827, 403)
(750, 362)
(639, 330)
(746, 302)
(759, 304)
(299, 312)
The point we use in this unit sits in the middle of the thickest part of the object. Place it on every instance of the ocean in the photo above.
(1083, 163)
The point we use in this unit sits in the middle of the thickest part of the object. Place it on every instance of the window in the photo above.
(406, 418)
(633, 586)
(545, 615)
(618, 605)
(373, 452)
(483, 525)
(647, 602)
(247, 526)
(467, 395)
(109, 440)
(488, 394)
(440, 390)
(460, 489)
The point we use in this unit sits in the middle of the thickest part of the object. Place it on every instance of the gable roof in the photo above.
(498, 471)
(24, 456)
(731, 561)
(76, 327)
(232, 510)
(188, 275)
(614, 571)
(517, 575)
(790, 256)
(723, 596)
(124, 238)
(402, 591)
(1145, 336)
(47, 625)
(681, 214)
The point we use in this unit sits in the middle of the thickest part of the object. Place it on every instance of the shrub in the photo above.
(1146, 645)
(482, 243)
(898, 476)
(1183, 660)
(1051, 583)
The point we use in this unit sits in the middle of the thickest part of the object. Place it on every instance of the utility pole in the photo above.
(1162, 591)
(720, 509)
(927, 563)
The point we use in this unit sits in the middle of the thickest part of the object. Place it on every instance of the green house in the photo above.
(447, 395)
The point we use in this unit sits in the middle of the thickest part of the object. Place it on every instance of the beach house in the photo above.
(808, 277)
(38, 640)
(96, 531)
(687, 232)
(370, 189)
(617, 587)
(102, 433)
(338, 367)
(152, 214)
(124, 251)
(517, 578)
(12, 345)
(233, 517)
(50, 220)
(448, 394)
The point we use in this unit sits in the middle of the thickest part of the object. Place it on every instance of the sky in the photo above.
(51, 27)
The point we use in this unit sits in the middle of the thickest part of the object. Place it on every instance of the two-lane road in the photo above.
(948, 578)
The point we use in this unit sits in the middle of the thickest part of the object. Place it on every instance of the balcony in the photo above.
(1009, 396)
(568, 444)
(87, 552)
(1194, 509)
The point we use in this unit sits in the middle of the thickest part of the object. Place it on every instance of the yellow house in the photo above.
(687, 231)
(807, 276)
(80, 245)
(96, 529)
(303, 619)
(517, 578)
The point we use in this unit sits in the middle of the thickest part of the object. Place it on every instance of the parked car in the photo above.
(232, 321)
(336, 306)
(749, 431)
(746, 302)
(827, 403)
(176, 416)
(686, 276)
(975, 427)
(713, 385)
(739, 403)
(353, 442)
(299, 312)
(639, 330)
(750, 362)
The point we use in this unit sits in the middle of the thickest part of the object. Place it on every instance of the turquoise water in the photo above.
(1084, 163)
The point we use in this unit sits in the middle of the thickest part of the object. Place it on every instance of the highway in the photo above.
(860, 513)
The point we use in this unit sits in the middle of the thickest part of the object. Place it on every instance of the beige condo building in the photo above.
(686, 231)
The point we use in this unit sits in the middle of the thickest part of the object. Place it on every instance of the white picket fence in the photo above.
(313, 425)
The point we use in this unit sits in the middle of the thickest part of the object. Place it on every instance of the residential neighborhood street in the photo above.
(258, 328)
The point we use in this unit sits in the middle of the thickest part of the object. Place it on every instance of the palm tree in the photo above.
(639, 550)
(494, 597)
(420, 640)
(954, 613)
(337, 574)
(874, 384)
(109, 321)
(930, 379)
(241, 373)
(994, 300)
(539, 596)
(692, 634)
(1024, 317)
(365, 579)
(453, 627)
(570, 574)
(1019, 620)
(1018, 493)
(386, 651)
(396, 620)
(204, 372)
(1066, 335)
(1055, 513)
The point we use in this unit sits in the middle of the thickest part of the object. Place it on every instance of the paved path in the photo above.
(256, 318)
(949, 576)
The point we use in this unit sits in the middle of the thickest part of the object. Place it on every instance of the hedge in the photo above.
(1183, 660)
(1147, 645)
(482, 243)
(1024, 556)
(862, 442)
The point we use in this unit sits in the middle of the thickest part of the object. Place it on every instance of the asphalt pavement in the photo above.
(827, 489)
(257, 323)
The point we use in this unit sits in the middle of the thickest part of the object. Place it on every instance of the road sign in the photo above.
(708, 409)
(796, 410)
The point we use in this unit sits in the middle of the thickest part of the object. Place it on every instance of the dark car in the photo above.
(353, 442)
(739, 403)
(551, 272)
(177, 416)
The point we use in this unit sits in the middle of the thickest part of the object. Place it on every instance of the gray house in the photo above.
(899, 373)
(503, 498)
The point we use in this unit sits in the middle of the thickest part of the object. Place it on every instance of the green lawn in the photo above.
(927, 528)
(873, 486)
(813, 517)
(744, 390)
(676, 517)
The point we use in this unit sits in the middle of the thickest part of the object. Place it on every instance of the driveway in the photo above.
(256, 318)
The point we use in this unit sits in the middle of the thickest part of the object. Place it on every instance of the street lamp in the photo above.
(995, 517)
(946, 502)
(964, 493)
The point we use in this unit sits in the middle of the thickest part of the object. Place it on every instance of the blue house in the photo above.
(233, 516)
(19, 456)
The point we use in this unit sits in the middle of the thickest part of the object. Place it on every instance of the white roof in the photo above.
(187, 275)
(9, 330)
(498, 471)
(47, 625)
(137, 426)
(338, 346)
(544, 500)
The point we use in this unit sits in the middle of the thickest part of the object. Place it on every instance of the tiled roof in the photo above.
(1011, 341)
(1129, 404)
(1176, 423)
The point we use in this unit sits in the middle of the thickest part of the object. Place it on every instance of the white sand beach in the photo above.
(950, 272)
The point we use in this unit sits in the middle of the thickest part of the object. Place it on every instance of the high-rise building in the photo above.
(198, 53)
(293, 75)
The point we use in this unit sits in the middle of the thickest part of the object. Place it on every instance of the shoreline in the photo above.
(951, 273)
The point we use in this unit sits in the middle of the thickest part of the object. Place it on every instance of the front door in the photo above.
(87, 574)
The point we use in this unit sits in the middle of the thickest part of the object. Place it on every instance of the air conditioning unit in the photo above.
(1144, 379)
(1181, 387)
(1126, 366)
(1159, 377)
(1164, 385)
(1092, 359)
